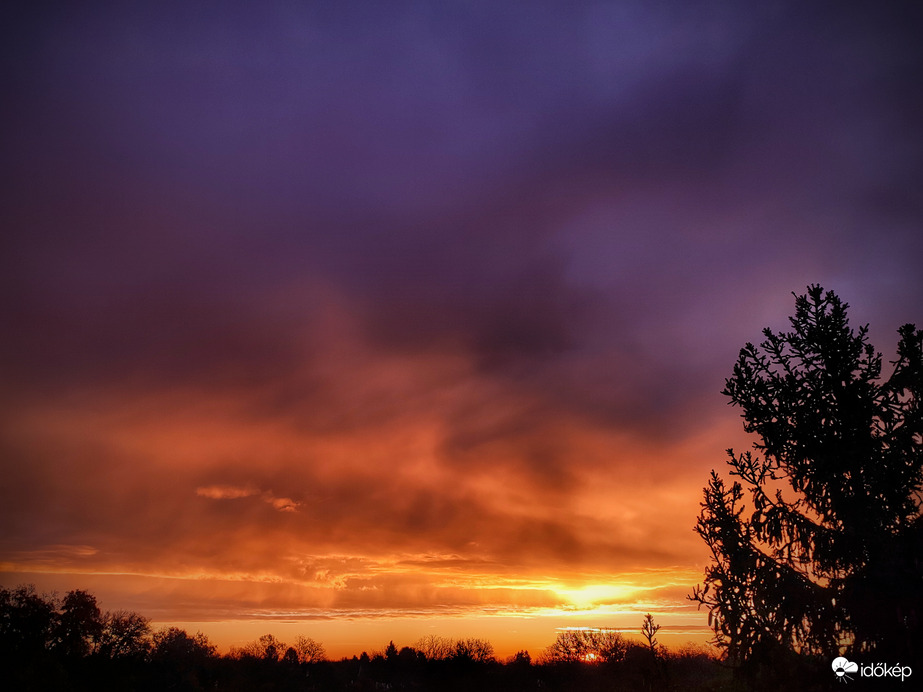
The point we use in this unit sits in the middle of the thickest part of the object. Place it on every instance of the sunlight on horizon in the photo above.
(510, 627)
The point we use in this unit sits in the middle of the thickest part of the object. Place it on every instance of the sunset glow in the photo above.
(373, 322)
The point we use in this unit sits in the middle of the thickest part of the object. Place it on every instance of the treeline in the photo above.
(69, 643)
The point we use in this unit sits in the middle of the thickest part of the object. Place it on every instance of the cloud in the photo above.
(283, 504)
(230, 492)
(225, 492)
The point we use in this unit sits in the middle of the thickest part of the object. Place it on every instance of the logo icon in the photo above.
(842, 668)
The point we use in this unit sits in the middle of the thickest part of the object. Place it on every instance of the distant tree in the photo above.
(435, 648)
(290, 657)
(173, 644)
(828, 555)
(520, 658)
(408, 654)
(609, 645)
(654, 676)
(473, 649)
(124, 634)
(27, 621)
(391, 651)
(649, 630)
(79, 625)
(272, 647)
(587, 645)
(309, 651)
(569, 645)
(266, 648)
(183, 662)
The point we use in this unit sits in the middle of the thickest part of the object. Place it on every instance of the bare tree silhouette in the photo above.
(309, 650)
(434, 647)
(588, 645)
(266, 648)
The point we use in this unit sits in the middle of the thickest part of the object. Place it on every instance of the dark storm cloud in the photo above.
(198, 112)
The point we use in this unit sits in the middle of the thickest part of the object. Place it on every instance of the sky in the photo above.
(370, 321)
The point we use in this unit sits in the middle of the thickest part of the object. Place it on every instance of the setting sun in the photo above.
(587, 597)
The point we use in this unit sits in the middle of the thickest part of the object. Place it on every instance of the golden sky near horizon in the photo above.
(190, 508)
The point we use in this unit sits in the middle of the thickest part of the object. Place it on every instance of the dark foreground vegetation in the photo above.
(817, 536)
(51, 643)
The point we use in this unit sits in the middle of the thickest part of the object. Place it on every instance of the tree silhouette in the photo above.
(520, 658)
(125, 634)
(650, 630)
(473, 649)
(309, 650)
(828, 555)
(290, 657)
(435, 648)
(173, 644)
(391, 651)
(266, 648)
(80, 624)
(27, 621)
(588, 645)
(181, 661)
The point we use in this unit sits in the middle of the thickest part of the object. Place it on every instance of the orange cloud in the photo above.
(366, 484)
(225, 492)
(230, 492)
